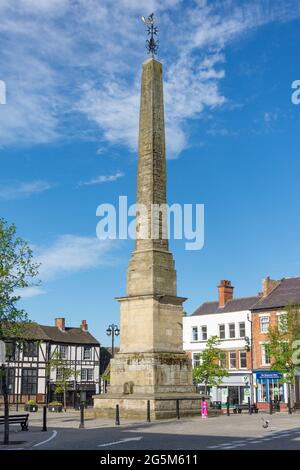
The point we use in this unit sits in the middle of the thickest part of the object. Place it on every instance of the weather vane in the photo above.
(151, 44)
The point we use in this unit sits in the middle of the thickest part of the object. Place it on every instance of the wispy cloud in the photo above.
(19, 190)
(29, 292)
(85, 56)
(102, 179)
(73, 253)
(68, 255)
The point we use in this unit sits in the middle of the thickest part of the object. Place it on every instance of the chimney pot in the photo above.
(225, 292)
(268, 285)
(84, 325)
(60, 323)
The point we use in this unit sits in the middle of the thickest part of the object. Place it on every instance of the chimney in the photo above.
(268, 285)
(225, 292)
(60, 323)
(84, 325)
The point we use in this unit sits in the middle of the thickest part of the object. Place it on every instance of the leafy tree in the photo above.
(64, 374)
(283, 340)
(17, 270)
(210, 372)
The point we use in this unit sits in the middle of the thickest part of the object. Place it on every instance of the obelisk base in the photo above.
(162, 378)
(135, 407)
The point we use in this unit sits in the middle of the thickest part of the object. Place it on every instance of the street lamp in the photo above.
(113, 330)
(249, 346)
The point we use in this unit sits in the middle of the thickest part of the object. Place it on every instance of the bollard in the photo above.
(44, 418)
(271, 407)
(227, 406)
(177, 409)
(117, 415)
(289, 406)
(81, 425)
(148, 412)
(249, 406)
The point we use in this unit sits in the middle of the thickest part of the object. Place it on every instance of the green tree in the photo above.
(210, 371)
(282, 343)
(17, 271)
(64, 373)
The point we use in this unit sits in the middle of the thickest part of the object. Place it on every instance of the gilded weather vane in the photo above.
(151, 44)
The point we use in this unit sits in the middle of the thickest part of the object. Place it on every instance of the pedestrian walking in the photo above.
(204, 408)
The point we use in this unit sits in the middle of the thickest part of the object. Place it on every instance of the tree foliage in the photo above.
(65, 374)
(17, 270)
(210, 372)
(283, 342)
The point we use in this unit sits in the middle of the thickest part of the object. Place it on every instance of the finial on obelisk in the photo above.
(151, 44)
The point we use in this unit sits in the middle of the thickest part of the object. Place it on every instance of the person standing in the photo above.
(204, 408)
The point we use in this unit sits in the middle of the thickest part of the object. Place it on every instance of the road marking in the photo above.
(54, 434)
(120, 442)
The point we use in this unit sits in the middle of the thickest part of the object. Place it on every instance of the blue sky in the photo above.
(72, 72)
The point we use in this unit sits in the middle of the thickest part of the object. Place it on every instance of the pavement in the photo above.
(219, 433)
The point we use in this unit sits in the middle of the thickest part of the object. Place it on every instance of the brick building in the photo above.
(276, 295)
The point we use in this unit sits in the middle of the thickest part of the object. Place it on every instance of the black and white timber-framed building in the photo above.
(28, 374)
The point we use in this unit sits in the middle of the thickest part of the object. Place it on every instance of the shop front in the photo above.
(236, 388)
(268, 386)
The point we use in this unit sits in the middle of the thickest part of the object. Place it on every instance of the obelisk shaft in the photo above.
(151, 180)
(151, 269)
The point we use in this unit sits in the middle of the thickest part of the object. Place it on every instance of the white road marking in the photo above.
(261, 440)
(120, 442)
(54, 434)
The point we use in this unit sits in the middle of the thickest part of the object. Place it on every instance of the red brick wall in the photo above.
(258, 337)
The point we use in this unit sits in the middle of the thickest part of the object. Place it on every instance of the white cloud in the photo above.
(102, 179)
(29, 292)
(22, 189)
(71, 253)
(63, 61)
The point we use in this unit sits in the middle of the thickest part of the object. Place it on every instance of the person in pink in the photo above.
(204, 408)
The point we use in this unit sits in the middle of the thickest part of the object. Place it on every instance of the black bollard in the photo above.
(44, 418)
(117, 415)
(177, 409)
(148, 412)
(249, 406)
(227, 406)
(271, 407)
(81, 425)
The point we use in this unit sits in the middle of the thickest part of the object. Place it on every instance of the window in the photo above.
(194, 333)
(204, 333)
(222, 331)
(223, 360)
(87, 353)
(242, 329)
(87, 375)
(232, 360)
(196, 359)
(29, 381)
(264, 324)
(10, 351)
(30, 349)
(231, 330)
(63, 350)
(265, 355)
(59, 374)
(243, 360)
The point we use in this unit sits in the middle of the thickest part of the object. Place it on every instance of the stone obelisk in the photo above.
(151, 364)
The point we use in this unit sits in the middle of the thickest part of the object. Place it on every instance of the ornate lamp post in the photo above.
(249, 346)
(113, 330)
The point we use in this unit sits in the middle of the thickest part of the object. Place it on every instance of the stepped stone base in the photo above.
(135, 407)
